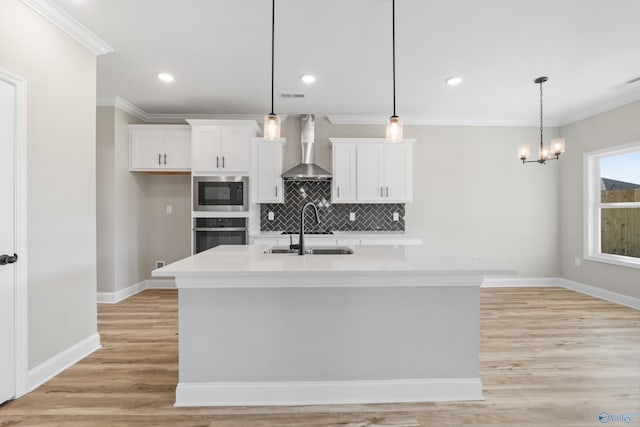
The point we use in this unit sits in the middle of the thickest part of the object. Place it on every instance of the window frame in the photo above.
(593, 205)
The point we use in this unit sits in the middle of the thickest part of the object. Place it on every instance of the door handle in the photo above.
(159, 159)
(276, 191)
(223, 166)
(165, 159)
(338, 190)
(381, 191)
(8, 259)
(387, 191)
(217, 161)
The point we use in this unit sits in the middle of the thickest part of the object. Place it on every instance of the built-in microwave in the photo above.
(220, 193)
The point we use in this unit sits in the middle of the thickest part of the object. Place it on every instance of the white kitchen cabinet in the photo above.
(221, 146)
(159, 148)
(344, 174)
(378, 172)
(268, 170)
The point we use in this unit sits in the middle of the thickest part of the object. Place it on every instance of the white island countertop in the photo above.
(249, 266)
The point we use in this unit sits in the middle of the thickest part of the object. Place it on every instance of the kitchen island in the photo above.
(384, 324)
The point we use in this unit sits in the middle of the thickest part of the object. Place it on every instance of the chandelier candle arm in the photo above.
(272, 120)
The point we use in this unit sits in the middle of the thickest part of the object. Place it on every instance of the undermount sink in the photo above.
(337, 250)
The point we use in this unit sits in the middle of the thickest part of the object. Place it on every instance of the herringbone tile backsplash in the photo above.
(369, 217)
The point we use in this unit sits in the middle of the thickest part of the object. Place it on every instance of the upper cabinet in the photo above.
(268, 170)
(343, 186)
(221, 146)
(370, 170)
(160, 148)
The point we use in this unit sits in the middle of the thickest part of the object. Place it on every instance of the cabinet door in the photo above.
(344, 173)
(177, 148)
(146, 149)
(397, 173)
(234, 151)
(369, 172)
(205, 149)
(269, 167)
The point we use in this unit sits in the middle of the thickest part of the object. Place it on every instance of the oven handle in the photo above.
(220, 229)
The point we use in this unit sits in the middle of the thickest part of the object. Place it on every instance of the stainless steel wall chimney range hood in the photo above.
(307, 170)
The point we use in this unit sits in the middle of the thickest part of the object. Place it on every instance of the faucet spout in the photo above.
(301, 236)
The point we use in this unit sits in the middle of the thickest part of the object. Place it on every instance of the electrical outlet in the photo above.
(169, 209)
(352, 216)
(159, 264)
(396, 216)
(577, 262)
(270, 216)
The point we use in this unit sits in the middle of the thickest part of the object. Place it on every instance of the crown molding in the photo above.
(599, 110)
(69, 25)
(138, 112)
(417, 121)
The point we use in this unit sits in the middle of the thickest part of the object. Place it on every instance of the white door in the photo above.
(177, 146)
(205, 149)
(370, 187)
(146, 149)
(269, 158)
(7, 241)
(397, 173)
(344, 173)
(235, 149)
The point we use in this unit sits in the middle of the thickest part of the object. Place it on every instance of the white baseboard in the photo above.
(328, 392)
(534, 282)
(123, 294)
(61, 361)
(521, 282)
(160, 284)
(604, 294)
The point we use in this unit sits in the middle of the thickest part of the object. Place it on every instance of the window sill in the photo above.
(622, 261)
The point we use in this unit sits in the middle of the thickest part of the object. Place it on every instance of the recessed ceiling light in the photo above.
(455, 80)
(166, 77)
(308, 78)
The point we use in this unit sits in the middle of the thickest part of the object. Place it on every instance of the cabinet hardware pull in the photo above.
(159, 159)
(217, 161)
(381, 191)
(276, 191)
(387, 191)
(165, 158)
(223, 166)
(338, 190)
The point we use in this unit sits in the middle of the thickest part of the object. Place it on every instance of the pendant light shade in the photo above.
(271, 126)
(394, 124)
(394, 129)
(271, 120)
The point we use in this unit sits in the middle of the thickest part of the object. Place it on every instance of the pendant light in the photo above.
(555, 148)
(394, 124)
(272, 120)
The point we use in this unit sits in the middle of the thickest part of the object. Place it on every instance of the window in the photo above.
(612, 205)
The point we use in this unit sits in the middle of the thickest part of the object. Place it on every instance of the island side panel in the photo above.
(328, 334)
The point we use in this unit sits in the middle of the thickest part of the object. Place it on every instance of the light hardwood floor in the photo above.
(548, 357)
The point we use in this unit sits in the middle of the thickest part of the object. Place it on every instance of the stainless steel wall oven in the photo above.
(211, 232)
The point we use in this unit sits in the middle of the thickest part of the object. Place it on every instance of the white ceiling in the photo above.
(219, 52)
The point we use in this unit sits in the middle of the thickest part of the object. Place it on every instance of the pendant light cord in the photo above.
(273, 25)
(393, 38)
(541, 139)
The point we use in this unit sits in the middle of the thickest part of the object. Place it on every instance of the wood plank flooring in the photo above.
(548, 357)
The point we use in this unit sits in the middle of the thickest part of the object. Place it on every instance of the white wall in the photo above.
(471, 193)
(133, 227)
(167, 236)
(61, 176)
(616, 127)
